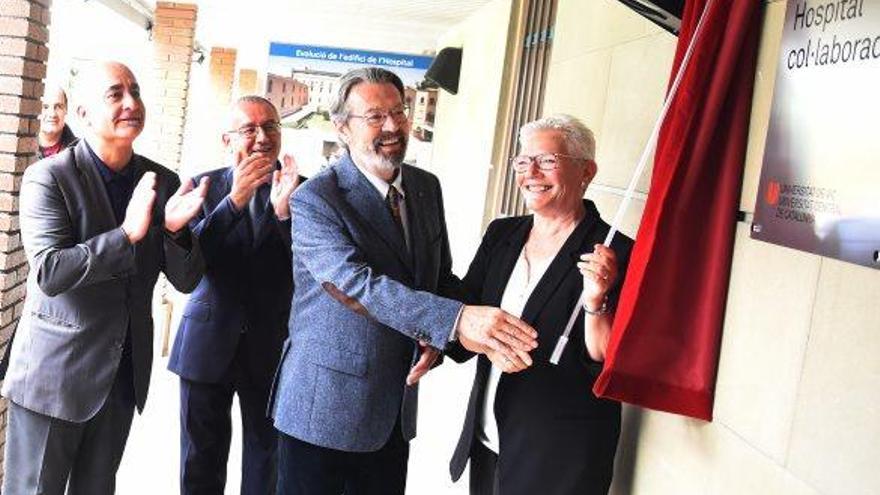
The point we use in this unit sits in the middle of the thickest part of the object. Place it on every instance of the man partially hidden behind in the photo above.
(235, 322)
(55, 134)
(98, 224)
(370, 255)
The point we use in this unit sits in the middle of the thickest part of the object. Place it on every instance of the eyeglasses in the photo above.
(545, 161)
(250, 131)
(377, 118)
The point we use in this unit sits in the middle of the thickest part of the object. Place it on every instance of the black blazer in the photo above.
(555, 436)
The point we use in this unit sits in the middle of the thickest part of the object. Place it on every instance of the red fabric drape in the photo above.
(664, 346)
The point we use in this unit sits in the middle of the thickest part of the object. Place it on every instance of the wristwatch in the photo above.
(601, 310)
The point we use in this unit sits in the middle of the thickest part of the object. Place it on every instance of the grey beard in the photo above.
(380, 162)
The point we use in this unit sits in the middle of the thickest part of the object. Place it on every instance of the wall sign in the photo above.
(820, 180)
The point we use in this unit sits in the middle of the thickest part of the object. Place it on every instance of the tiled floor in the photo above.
(151, 461)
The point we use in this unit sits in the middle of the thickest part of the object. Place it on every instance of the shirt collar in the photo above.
(380, 183)
(108, 174)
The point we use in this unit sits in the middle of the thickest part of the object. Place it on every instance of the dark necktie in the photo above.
(392, 201)
(256, 209)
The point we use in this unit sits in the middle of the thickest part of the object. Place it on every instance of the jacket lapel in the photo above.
(417, 213)
(505, 260)
(370, 206)
(563, 265)
(93, 186)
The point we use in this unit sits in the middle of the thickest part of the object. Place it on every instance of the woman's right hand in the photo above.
(504, 363)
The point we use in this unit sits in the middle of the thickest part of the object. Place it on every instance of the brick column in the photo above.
(173, 34)
(23, 55)
(247, 82)
(222, 73)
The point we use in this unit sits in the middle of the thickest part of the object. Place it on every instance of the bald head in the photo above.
(109, 103)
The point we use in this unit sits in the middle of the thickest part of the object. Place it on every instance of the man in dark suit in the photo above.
(98, 224)
(235, 322)
(370, 253)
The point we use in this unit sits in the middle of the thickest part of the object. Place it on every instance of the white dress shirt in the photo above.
(516, 293)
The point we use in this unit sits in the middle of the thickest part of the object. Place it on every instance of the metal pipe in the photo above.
(133, 10)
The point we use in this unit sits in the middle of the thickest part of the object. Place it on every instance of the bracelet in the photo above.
(601, 310)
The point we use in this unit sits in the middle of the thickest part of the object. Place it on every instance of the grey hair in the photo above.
(374, 75)
(253, 99)
(578, 138)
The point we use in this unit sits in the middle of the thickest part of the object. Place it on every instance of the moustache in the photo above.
(388, 137)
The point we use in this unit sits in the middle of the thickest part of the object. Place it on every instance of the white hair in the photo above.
(578, 138)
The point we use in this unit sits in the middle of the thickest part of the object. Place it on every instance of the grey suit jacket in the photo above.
(341, 382)
(87, 286)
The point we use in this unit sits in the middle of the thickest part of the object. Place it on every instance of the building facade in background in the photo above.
(321, 85)
(286, 93)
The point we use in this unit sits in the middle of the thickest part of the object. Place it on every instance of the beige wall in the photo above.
(466, 124)
(797, 393)
(609, 67)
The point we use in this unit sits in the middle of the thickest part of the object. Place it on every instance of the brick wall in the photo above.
(173, 33)
(23, 55)
(247, 82)
(222, 74)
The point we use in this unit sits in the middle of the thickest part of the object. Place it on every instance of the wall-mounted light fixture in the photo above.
(198, 56)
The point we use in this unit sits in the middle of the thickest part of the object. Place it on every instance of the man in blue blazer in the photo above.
(235, 322)
(370, 256)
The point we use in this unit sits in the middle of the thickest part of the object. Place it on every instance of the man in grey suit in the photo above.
(98, 224)
(370, 256)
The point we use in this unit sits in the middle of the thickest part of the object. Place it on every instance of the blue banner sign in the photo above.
(344, 55)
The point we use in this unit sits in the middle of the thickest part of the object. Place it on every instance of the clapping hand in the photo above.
(185, 204)
(139, 211)
(284, 181)
(247, 175)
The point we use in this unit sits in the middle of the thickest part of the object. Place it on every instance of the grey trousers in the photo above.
(44, 454)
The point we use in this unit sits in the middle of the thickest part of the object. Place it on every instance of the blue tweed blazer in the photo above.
(361, 303)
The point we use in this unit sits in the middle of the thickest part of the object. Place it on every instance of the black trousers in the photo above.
(206, 433)
(306, 469)
(483, 476)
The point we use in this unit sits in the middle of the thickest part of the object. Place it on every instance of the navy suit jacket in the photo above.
(361, 303)
(246, 288)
